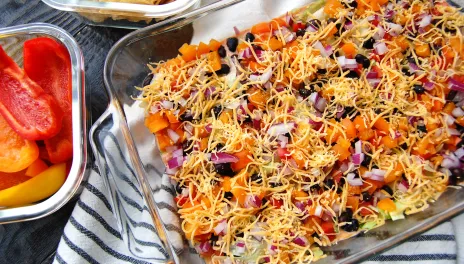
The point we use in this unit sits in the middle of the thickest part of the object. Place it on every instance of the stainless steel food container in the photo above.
(126, 68)
(120, 14)
(12, 40)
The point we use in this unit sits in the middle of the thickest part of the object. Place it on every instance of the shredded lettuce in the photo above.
(369, 225)
(317, 252)
(311, 9)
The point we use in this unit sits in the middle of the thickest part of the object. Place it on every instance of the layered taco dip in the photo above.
(307, 129)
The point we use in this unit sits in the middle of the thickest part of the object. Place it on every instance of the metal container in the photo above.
(119, 14)
(126, 68)
(12, 40)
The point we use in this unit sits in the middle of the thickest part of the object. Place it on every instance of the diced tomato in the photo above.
(364, 211)
(180, 200)
(283, 153)
(298, 26)
(277, 203)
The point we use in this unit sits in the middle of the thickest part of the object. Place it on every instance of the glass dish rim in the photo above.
(115, 108)
(76, 174)
(152, 11)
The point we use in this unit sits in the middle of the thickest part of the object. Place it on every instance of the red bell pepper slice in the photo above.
(48, 63)
(31, 112)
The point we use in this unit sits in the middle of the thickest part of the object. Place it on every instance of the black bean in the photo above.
(224, 169)
(374, 166)
(275, 184)
(300, 32)
(222, 52)
(345, 217)
(419, 89)
(369, 44)
(363, 60)
(304, 92)
(404, 146)
(406, 72)
(239, 234)
(315, 187)
(451, 95)
(228, 195)
(353, 4)
(225, 69)
(186, 117)
(257, 178)
(316, 23)
(249, 37)
(366, 196)
(352, 226)
(328, 184)
(422, 128)
(456, 176)
(179, 188)
(232, 44)
(387, 189)
(321, 71)
(352, 74)
(331, 20)
(217, 110)
(147, 80)
(219, 147)
(213, 239)
(187, 147)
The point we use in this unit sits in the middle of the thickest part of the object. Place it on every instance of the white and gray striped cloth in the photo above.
(115, 227)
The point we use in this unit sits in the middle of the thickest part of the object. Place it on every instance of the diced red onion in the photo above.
(459, 153)
(348, 25)
(253, 201)
(380, 48)
(453, 132)
(178, 153)
(301, 241)
(221, 157)
(449, 120)
(412, 120)
(259, 54)
(379, 172)
(394, 29)
(281, 129)
(267, 259)
(376, 177)
(321, 104)
(240, 248)
(272, 249)
(288, 19)
(318, 211)
(167, 104)
(204, 247)
(171, 149)
(373, 82)
(237, 31)
(413, 67)
(314, 97)
(451, 162)
(358, 158)
(291, 36)
(402, 188)
(372, 75)
(456, 85)
(457, 112)
(389, 14)
(256, 124)
(429, 86)
(173, 135)
(358, 146)
(175, 163)
(300, 205)
(208, 128)
(209, 91)
(311, 28)
(426, 20)
(380, 33)
(221, 228)
(245, 54)
(328, 50)
(283, 141)
(318, 45)
(350, 177)
(169, 171)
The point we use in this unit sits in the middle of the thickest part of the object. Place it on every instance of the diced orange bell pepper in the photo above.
(214, 45)
(16, 153)
(156, 122)
(349, 49)
(226, 184)
(36, 168)
(366, 135)
(171, 117)
(342, 149)
(189, 52)
(243, 160)
(382, 125)
(350, 129)
(242, 46)
(275, 44)
(258, 98)
(360, 124)
(387, 205)
(389, 142)
(332, 7)
(202, 49)
(372, 185)
(278, 22)
(163, 140)
(239, 194)
(353, 202)
(254, 66)
(395, 173)
(261, 28)
(422, 50)
(214, 60)
(449, 107)
(402, 42)
(299, 159)
(354, 190)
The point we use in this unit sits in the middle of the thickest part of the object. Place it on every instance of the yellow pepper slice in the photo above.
(40, 187)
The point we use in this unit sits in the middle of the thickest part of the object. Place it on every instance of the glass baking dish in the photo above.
(12, 40)
(126, 68)
(119, 14)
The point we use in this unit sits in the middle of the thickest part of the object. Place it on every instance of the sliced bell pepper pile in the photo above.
(48, 63)
(32, 113)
